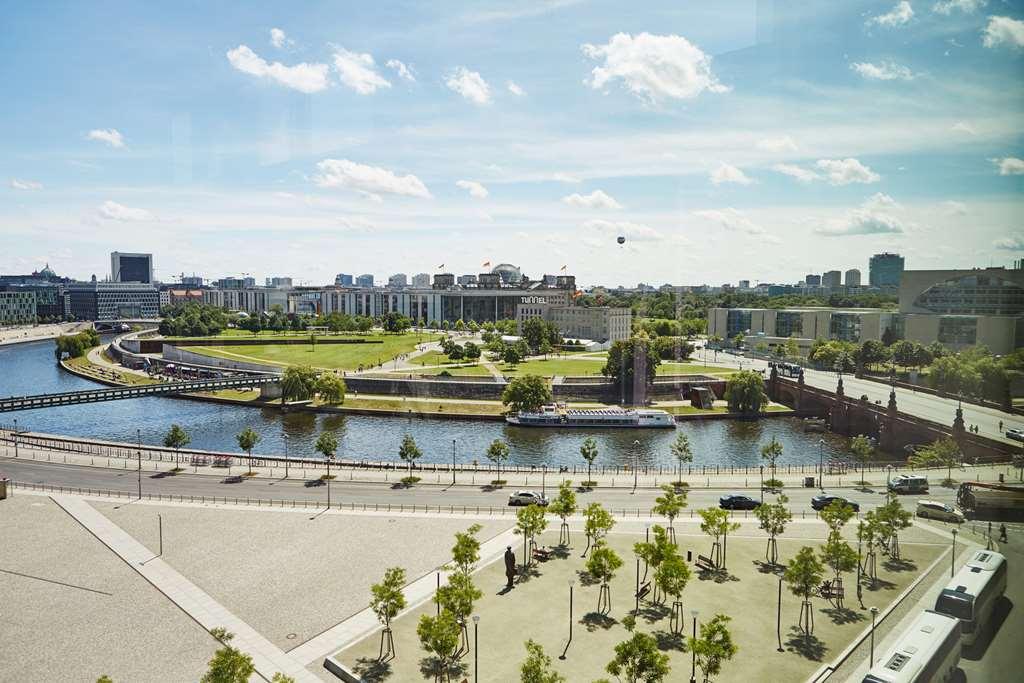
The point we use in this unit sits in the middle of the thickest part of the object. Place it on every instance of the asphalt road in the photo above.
(126, 481)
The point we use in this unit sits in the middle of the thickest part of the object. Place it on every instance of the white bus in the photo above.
(927, 651)
(971, 595)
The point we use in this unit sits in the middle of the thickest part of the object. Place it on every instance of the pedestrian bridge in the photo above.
(14, 403)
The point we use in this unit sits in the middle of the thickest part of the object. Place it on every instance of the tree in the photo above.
(535, 332)
(773, 517)
(943, 452)
(656, 552)
(281, 678)
(862, 450)
(395, 322)
(387, 601)
(564, 505)
(744, 391)
(669, 504)
(440, 637)
(771, 452)
(597, 523)
(953, 375)
(537, 666)
(228, 665)
(530, 521)
(803, 575)
(458, 596)
(904, 352)
(588, 449)
(331, 388)
(466, 551)
(327, 445)
(298, 383)
(602, 565)
(791, 349)
(638, 660)
(713, 647)
(497, 453)
(247, 440)
(715, 523)
(511, 355)
(837, 553)
(632, 365)
(471, 351)
(682, 452)
(892, 519)
(526, 394)
(872, 352)
(409, 452)
(671, 577)
(176, 438)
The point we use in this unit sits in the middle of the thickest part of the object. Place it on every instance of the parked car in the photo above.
(823, 501)
(908, 483)
(527, 498)
(933, 509)
(1015, 434)
(737, 502)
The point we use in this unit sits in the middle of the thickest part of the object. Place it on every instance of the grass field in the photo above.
(331, 356)
(582, 367)
(692, 369)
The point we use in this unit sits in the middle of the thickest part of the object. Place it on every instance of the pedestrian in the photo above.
(1002, 534)
(510, 566)
(1000, 426)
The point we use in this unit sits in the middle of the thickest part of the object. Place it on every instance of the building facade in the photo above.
(832, 279)
(112, 300)
(419, 281)
(343, 280)
(885, 270)
(17, 307)
(601, 324)
(813, 280)
(364, 281)
(852, 278)
(125, 267)
(398, 281)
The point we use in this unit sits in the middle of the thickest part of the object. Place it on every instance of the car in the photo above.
(933, 509)
(823, 501)
(908, 483)
(1015, 434)
(737, 502)
(527, 498)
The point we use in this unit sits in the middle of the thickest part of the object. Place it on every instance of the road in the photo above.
(126, 481)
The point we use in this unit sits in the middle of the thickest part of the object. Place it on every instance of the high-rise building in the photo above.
(832, 279)
(125, 267)
(343, 280)
(852, 278)
(744, 284)
(885, 270)
(398, 281)
(813, 281)
(421, 280)
(279, 282)
(191, 281)
(365, 281)
(112, 300)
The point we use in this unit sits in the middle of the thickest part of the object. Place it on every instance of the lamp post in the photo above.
(15, 437)
(762, 484)
(569, 642)
(693, 664)
(285, 438)
(476, 647)
(636, 462)
(453, 462)
(543, 479)
(778, 618)
(871, 659)
(888, 476)
(821, 464)
(952, 559)
(329, 458)
(138, 437)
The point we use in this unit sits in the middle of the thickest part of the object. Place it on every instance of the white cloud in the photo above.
(900, 14)
(966, 6)
(846, 171)
(726, 173)
(474, 188)
(566, 178)
(653, 67)
(595, 200)
(883, 71)
(470, 85)
(514, 88)
(358, 71)
(368, 179)
(1009, 165)
(304, 77)
(486, 217)
(633, 232)
(278, 38)
(954, 208)
(736, 221)
(783, 143)
(356, 225)
(1003, 31)
(1015, 243)
(403, 70)
(868, 219)
(119, 212)
(804, 175)
(18, 184)
(880, 200)
(963, 127)
(111, 136)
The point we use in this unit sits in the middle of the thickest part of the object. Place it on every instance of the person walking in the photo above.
(510, 566)
(1002, 534)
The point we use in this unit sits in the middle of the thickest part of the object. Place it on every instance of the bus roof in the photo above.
(973, 576)
(914, 648)
(986, 559)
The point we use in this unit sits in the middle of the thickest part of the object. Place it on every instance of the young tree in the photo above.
(602, 565)
(656, 552)
(526, 394)
(943, 452)
(862, 450)
(714, 647)
(744, 391)
(458, 597)
(588, 449)
(671, 577)
(837, 553)
(803, 575)
(388, 600)
(639, 660)
(176, 438)
(409, 452)
(530, 521)
(682, 452)
(247, 440)
(669, 504)
(331, 388)
(715, 523)
(564, 505)
(773, 518)
(297, 383)
(892, 519)
(868, 536)
(497, 453)
(537, 666)
(596, 525)
(466, 551)
(440, 637)
(327, 446)
(228, 665)
(771, 452)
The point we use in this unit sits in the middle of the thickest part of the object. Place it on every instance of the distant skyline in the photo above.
(751, 141)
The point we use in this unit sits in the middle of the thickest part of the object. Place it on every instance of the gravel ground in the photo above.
(288, 576)
(71, 610)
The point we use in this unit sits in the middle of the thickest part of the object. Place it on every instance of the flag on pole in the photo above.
(563, 267)
(577, 294)
(486, 263)
(440, 266)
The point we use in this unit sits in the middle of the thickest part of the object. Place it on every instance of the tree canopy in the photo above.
(526, 394)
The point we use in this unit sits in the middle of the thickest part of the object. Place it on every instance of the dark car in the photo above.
(737, 502)
(822, 502)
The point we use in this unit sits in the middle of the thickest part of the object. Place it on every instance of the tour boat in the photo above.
(559, 416)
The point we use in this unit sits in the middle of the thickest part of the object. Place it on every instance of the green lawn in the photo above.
(668, 368)
(431, 358)
(332, 356)
(552, 367)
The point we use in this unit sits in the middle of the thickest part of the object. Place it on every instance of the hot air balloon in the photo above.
(621, 239)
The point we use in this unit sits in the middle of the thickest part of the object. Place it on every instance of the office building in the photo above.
(126, 267)
(467, 280)
(279, 282)
(885, 270)
(191, 281)
(17, 307)
(420, 281)
(744, 284)
(249, 299)
(832, 279)
(813, 280)
(113, 301)
(343, 280)
(852, 278)
(600, 324)
(365, 281)
(398, 281)
(509, 274)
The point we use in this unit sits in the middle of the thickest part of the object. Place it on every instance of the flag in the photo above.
(577, 294)
(563, 268)
(440, 266)
(486, 263)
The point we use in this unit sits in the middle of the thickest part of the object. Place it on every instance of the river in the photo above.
(30, 368)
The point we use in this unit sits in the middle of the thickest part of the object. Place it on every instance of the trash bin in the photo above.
(1001, 478)
(808, 482)
(3, 489)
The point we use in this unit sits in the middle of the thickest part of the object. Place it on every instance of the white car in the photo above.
(527, 498)
(1015, 434)
(933, 509)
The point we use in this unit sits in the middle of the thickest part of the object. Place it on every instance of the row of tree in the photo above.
(76, 345)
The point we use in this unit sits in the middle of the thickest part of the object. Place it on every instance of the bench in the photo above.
(705, 563)
(831, 592)
(644, 590)
(541, 554)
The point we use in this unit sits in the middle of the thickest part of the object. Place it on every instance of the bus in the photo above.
(786, 369)
(927, 651)
(971, 595)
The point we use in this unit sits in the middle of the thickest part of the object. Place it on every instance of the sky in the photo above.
(727, 140)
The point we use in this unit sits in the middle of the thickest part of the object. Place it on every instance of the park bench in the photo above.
(541, 554)
(644, 590)
(705, 563)
(830, 592)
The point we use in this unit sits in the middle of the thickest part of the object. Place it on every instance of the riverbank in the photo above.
(31, 333)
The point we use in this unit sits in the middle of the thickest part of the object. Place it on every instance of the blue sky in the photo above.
(747, 139)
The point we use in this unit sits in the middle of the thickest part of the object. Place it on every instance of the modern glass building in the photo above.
(885, 270)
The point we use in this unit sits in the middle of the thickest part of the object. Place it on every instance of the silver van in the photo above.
(908, 483)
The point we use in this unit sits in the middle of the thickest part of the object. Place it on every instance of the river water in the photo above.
(30, 368)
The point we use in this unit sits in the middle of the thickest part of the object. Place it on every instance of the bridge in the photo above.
(14, 403)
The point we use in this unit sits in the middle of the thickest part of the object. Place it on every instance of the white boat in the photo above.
(560, 416)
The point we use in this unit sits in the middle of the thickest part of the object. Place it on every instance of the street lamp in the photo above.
(693, 664)
(285, 438)
(329, 458)
(952, 563)
(15, 437)
(874, 613)
(888, 476)
(636, 462)
(138, 437)
(762, 484)
(569, 642)
(453, 462)
(821, 464)
(476, 647)
(778, 618)
(543, 479)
